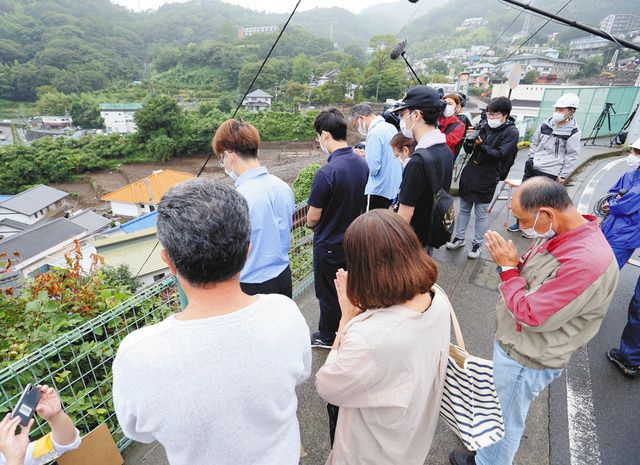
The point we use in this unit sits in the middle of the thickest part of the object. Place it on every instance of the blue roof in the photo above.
(5, 197)
(140, 223)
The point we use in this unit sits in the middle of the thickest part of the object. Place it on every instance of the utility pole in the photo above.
(577, 25)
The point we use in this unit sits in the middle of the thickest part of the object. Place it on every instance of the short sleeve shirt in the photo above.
(338, 189)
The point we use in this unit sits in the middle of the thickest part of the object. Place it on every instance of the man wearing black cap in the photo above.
(419, 112)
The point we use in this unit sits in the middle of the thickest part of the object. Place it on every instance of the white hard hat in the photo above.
(568, 101)
(636, 145)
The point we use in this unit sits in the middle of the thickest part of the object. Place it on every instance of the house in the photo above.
(137, 224)
(542, 64)
(257, 100)
(472, 23)
(620, 23)
(330, 76)
(9, 227)
(42, 247)
(138, 251)
(143, 196)
(119, 117)
(53, 122)
(90, 221)
(480, 69)
(33, 205)
(586, 47)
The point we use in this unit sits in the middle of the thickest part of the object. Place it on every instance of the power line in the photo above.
(503, 32)
(538, 30)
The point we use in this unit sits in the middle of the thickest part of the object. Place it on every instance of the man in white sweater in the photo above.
(215, 383)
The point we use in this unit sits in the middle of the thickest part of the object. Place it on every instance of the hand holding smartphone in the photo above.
(26, 406)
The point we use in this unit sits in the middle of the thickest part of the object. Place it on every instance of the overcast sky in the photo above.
(276, 6)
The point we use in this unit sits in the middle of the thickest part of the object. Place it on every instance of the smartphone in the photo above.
(26, 406)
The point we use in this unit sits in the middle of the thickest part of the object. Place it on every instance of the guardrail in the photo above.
(78, 364)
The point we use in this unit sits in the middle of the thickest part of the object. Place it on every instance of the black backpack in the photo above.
(443, 214)
(504, 166)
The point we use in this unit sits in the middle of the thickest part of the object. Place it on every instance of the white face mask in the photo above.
(407, 132)
(633, 161)
(230, 173)
(531, 232)
(325, 151)
(558, 117)
(449, 111)
(361, 129)
(494, 123)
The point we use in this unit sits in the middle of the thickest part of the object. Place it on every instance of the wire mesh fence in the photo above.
(78, 364)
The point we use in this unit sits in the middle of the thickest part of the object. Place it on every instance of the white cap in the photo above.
(568, 101)
(636, 145)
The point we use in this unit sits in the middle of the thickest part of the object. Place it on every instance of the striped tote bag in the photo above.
(470, 405)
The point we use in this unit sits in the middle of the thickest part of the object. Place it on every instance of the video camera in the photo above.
(480, 127)
(391, 118)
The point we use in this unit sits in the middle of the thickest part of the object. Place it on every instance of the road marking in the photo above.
(583, 437)
(587, 194)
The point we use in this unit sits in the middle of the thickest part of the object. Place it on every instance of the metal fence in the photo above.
(78, 364)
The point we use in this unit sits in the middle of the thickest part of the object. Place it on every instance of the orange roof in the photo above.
(158, 183)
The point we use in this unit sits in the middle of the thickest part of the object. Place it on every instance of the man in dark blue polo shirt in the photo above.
(335, 201)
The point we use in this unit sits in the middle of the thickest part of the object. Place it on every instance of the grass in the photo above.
(12, 110)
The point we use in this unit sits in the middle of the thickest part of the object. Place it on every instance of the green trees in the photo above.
(531, 77)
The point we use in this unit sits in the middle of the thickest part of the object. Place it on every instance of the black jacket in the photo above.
(482, 173)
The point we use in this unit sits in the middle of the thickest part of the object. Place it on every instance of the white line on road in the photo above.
(583, 437)
(587, 194)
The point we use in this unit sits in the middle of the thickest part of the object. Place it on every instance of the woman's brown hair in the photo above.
(238, 136)
(453, 96)
(399, 142)
(386, 263)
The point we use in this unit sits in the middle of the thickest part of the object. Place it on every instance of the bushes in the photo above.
(302, 184)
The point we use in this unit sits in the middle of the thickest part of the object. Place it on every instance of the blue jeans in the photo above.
(516, 386)
(630, 340)
(482, 223)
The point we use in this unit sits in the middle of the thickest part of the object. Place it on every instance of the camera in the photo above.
(359, 145)
(480, 127)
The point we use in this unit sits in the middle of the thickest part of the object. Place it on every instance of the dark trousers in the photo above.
(281, 284)
(530, 172)
(325, 266)
(630, 340)
(372, 202)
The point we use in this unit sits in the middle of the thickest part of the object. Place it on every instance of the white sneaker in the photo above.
(475, 251)
(456, 243)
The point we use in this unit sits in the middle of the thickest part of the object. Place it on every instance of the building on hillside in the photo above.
(251, 31)
(52, 122)
(33, 205)
(471, 23)
(330, 76)
(119, 117)
(148, 220)
(542, 64)
(138, 251)
(144, 195)
(43, 246)
(480, 69)
(620, 23)
(90, 221)
(10, 228)
(257, 100)
(587, 47)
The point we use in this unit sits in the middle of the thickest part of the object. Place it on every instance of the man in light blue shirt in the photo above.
(385, 170)
(271, 208)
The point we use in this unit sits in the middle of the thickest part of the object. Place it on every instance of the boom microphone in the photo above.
(398, 50)
(413, 1)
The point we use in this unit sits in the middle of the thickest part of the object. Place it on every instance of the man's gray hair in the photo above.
(543, 192)
(204, 227)
(361, 109)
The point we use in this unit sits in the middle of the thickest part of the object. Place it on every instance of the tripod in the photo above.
(621, 137)
(606, 114)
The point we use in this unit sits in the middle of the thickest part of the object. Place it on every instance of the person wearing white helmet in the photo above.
(620, 227)
(555, 146)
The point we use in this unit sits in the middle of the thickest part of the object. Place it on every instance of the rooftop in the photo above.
(90, 221)
(142, 222)
(120, 106)
(33, 200)
(37, 240)
(159, 182)
(132, 250)
(259, 93)
(14, 224)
